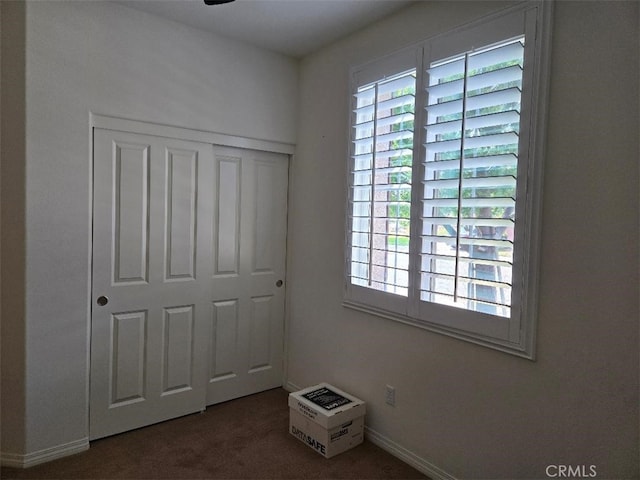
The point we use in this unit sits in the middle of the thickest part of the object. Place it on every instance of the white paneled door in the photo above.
(188, 271)
(249, 265)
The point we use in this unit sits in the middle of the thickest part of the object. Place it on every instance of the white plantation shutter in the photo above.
(382, 159)
(445, 181)
(468, 218)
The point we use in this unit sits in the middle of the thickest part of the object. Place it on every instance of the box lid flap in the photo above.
(326, 405)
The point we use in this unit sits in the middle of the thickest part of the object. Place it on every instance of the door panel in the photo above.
(151, 247)
(178, 357)
(228, 231)
(181, 215)
(225, 340)
(128, 369)
(259, 345)
(249, 259)
(131, 198)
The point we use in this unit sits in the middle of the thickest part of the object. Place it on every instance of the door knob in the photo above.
(279, 283)
(102, 301)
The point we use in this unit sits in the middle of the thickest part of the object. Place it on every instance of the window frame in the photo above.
(515, 334)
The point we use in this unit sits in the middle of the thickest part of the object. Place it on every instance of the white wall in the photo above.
(109, 59)
(469, 410)
(12, 151)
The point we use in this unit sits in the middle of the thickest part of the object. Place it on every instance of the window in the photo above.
(470, 178)
(445, 181)
(382, 172)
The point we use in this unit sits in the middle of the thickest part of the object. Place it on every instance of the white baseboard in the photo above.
(406, 456)
(395, 449)
(31, 459)
(291, 387)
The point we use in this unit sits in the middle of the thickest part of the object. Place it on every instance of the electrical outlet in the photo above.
(390, 395)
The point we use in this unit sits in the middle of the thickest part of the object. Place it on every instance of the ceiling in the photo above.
(291, 27)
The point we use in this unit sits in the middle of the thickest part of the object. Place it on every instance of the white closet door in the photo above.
(247, 294)
(151, 285)
(188, 277)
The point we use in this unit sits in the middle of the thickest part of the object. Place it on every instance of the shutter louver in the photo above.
(469, 184)
(382, 150)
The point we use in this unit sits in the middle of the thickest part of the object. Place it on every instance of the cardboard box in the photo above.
(326, 419)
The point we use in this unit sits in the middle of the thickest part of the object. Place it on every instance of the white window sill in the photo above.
(494, 344)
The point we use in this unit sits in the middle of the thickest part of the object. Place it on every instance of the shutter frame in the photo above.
(515, 335)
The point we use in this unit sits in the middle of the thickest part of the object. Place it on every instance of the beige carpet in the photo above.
(246, 438)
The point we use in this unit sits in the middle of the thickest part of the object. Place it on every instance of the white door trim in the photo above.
(170, 131)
